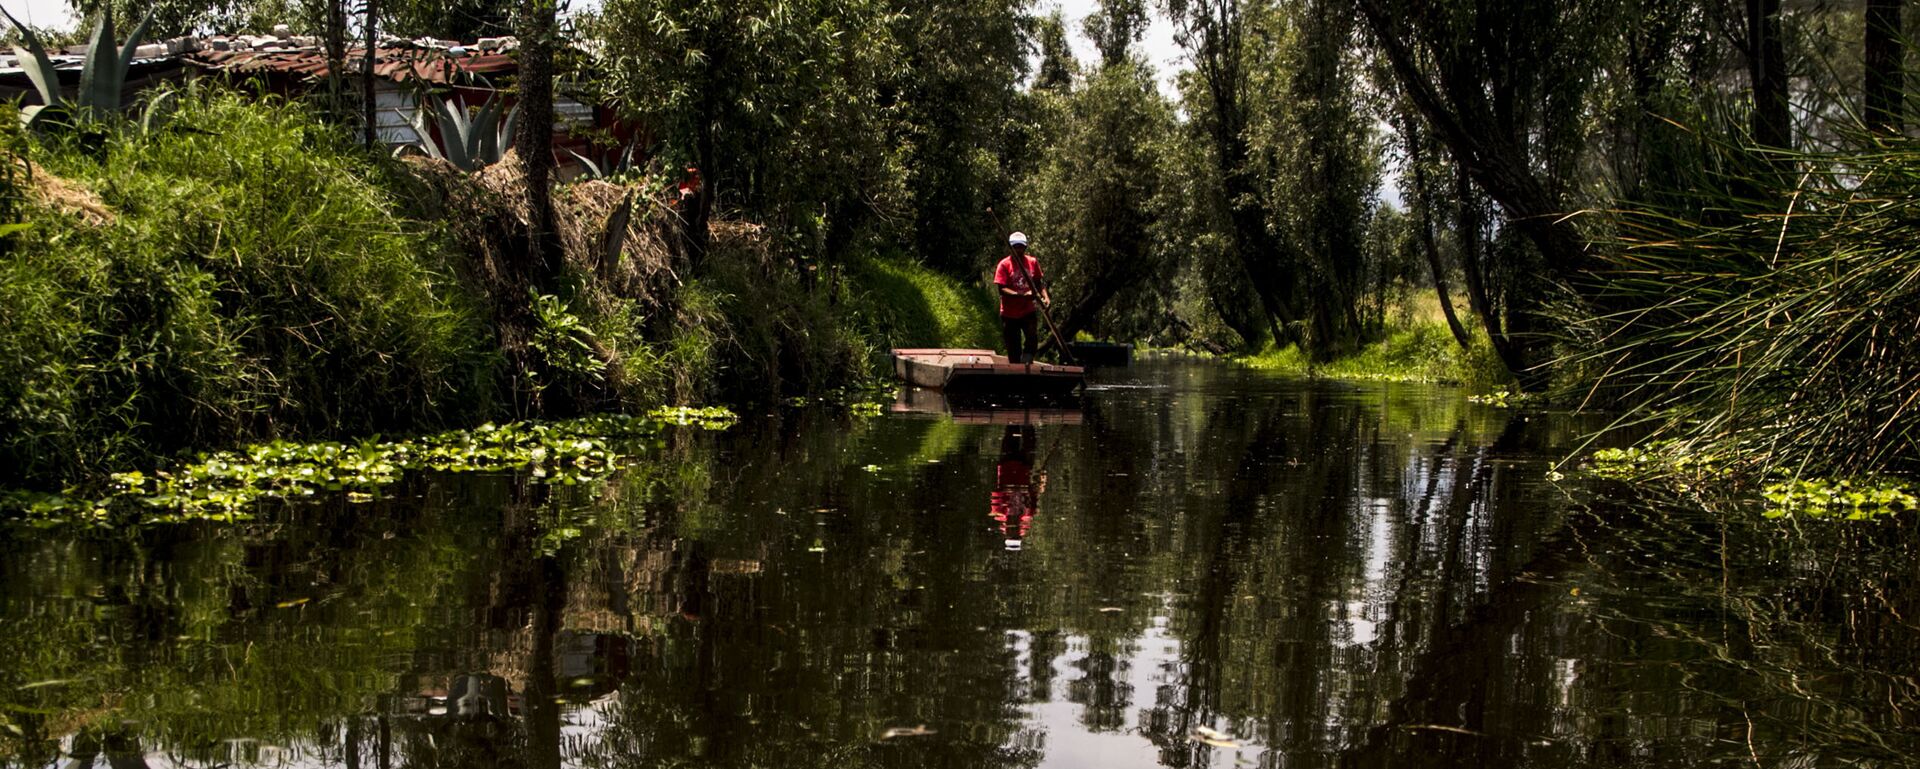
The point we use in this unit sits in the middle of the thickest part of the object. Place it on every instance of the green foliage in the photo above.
(565, 343)
(173, 18)
(463, 20)
(1091, 203)
(251, 277)
(768, 333)
(777, 102)
(1315, 153)
(1768, 318)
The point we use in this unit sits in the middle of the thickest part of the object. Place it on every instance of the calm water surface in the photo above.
(1206, 567)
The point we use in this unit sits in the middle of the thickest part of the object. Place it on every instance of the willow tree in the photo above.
(1091, 201)
(1315, 149)
(1504, 85)
(1214, 34)
(965, 133)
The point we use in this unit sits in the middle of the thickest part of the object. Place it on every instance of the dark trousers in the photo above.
(1020, 337)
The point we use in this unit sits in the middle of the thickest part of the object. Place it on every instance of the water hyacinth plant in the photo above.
(225, 485)
(103, 74)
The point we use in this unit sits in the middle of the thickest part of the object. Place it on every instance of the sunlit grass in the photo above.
(1421, 351)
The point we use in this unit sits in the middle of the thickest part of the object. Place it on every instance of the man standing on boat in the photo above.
(1019, 278)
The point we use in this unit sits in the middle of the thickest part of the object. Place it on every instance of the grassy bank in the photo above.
(912, 306)
(1417, 351)
(242, 271)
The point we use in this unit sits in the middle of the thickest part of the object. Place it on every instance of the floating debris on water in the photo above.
(1211, 736)
(906, 731)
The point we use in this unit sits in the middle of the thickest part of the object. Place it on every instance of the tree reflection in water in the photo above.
(1230, 570)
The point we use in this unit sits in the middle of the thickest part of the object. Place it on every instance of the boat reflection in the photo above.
(914, 400)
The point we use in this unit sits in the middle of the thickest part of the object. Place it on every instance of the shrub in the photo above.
(249, 278)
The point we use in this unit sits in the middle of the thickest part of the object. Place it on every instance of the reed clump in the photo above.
(1767, 311)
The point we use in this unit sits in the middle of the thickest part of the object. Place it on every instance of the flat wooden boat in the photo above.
(1101, 353)
(984, 373)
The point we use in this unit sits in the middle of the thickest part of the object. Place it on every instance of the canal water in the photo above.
(1203, 567)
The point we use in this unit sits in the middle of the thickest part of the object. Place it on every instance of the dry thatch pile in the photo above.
(62, 195)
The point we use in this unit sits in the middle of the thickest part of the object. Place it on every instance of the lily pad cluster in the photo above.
(1656, 459)
(225, 485)
(1853, 499)
(1849, 498)
(1506, 397)
(706, 417)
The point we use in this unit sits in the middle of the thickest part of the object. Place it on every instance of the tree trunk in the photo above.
(535, 139)
(336, 42)
(1885, 84)
(1423, 202)
(1767, 71)
(367, 79)
(1472, 263)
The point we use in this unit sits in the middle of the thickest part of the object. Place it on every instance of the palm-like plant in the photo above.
(102, 76)
(470, 144)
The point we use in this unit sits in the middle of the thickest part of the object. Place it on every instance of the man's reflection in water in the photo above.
(1016, 488)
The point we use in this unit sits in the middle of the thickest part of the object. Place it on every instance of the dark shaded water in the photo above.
(1212, 567)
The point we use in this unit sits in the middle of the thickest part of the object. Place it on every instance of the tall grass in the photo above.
(248, 278)
(1768, 313)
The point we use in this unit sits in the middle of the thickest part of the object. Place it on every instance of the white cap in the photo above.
(1017, 239)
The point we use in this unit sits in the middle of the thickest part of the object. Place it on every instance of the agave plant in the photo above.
(102, 75)
(470, 144)
(608, 166)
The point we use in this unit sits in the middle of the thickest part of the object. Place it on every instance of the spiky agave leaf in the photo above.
(127, 50)
(453, 134)
(507, 136)
(425, 138)
(97, 89)
(34, 59)
(593, 169)
(104, 75)
(483, 141)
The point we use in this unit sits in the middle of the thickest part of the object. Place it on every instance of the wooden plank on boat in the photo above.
(973, 371)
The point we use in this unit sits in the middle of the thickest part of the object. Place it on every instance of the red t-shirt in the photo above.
(1006, 275)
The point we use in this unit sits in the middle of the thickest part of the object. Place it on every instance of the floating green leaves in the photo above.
(225, 485)
(706, 417)
(1506, 397)
(1854, 499)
